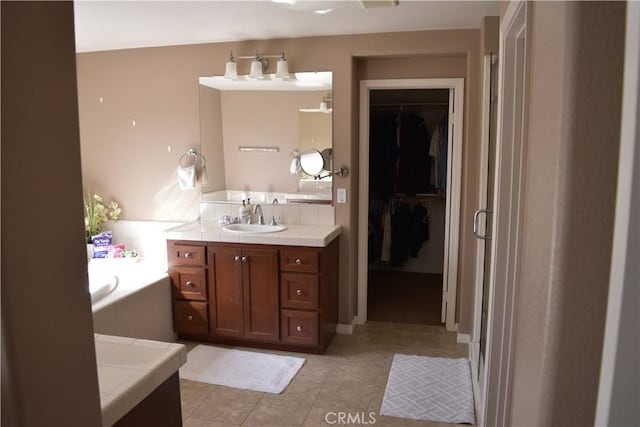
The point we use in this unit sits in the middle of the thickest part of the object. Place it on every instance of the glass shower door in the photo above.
(488, 217)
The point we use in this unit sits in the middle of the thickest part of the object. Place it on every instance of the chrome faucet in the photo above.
(258, 210)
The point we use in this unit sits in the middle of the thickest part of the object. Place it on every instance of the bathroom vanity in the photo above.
(274, 290)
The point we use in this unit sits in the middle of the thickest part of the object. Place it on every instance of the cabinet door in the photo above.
(261, 296)
(225, 291)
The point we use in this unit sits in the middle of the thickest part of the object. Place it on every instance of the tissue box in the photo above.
(101, 244)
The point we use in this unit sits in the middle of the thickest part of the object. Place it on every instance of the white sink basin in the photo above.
(253, 228)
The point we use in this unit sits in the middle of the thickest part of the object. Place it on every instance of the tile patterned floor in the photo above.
(350, 377)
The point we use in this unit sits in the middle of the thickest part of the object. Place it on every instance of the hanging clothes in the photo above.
(375, 229)
(419, 229)
(385, 251)
(434, 154)
(400, 234)
(414, 169)
(383, 155)
(442, 172)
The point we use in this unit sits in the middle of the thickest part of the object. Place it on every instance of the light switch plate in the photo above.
(342, 195)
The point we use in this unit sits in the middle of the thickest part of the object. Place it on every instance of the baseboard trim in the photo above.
(463, 338)
(345, 328)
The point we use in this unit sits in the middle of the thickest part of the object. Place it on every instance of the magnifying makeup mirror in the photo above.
(312, 162)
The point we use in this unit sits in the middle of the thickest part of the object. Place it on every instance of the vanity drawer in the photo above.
(299, 327)
(299, 261)
(184, 254)
(190, 317)
(189, 283)
(299, 291)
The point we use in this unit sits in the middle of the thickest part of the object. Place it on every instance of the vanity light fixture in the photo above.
(256, 67)
(259, 63)
(230, 70)
(324, 105)
(282, 68)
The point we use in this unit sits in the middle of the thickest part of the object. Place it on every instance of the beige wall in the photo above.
(576, 52)
(49, 372)
(490, 35)
(211, 144)
(159, 88)
(315, 130)
(439, 66)
(263, 118)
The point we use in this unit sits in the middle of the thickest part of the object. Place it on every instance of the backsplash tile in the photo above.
(288, 213)
(326, 215)
(145, 237)
(308, 214)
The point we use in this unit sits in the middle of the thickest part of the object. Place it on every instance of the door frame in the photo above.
(454, 180)
(511, 143)
(618, 389)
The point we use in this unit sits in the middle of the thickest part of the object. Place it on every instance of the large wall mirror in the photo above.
(270, 139)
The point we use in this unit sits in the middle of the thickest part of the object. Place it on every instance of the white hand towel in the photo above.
(295, 166)
(187, 177)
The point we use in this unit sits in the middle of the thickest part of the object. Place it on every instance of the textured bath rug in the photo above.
(249, 370)
(429, 389)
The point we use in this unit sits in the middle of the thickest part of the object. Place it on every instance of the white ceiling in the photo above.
(107, 25)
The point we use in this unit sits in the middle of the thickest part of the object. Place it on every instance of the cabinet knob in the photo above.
(188, 255)
(236, 258)
(299, 328)
(244, 259)
(190, 284)
(298, 291)
(298, 261)
(190, 317)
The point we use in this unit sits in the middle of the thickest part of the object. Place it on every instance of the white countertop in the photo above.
(295, 234)
(130, 369)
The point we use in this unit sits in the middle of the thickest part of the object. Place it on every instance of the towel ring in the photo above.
(192, 153)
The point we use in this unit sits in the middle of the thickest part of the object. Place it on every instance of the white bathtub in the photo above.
(101, 284)
(131, 299)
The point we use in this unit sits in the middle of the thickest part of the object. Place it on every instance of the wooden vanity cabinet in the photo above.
(188, 273)
(281, 297)
(243, 283)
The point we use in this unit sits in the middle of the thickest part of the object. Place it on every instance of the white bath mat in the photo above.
(429, 389)
(249, 370)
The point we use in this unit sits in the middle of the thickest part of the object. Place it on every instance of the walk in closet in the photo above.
(408, 137)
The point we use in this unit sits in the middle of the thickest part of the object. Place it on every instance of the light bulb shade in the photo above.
(282, 69)
(256, 69)
(230, 71)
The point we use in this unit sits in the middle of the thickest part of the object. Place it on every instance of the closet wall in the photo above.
(407, 181)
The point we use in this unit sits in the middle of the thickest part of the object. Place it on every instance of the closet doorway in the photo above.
(409, 200)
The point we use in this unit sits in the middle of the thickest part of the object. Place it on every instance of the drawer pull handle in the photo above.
(244, 259)
(236, 258)
(299, 328)
(298, 261)
(190, 284)
(190, 317)
(298, 291)
(188, 255)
